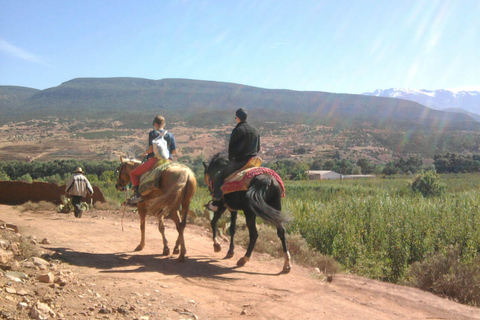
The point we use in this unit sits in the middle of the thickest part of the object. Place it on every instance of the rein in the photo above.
(124, 192)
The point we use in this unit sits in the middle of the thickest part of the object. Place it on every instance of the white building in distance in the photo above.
(331, 175)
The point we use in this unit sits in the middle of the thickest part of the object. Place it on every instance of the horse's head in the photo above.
(126, 166)
(217, 162)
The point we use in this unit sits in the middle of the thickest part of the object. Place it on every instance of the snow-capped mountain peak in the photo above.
(435, 99)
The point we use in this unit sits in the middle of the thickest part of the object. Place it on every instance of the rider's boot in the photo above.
(136, 198)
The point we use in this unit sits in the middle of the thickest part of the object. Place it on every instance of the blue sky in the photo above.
(335, 46)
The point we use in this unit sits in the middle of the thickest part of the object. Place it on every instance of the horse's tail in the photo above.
(190, 188)
(264, 194)
(161, 205)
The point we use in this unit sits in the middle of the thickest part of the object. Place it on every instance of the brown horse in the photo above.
(177, 187)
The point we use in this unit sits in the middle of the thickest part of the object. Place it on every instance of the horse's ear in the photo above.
(205, 165)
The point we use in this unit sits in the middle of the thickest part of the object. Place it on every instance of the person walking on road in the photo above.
(78, 187)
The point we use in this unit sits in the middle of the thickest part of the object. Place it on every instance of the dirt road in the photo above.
(146, 285)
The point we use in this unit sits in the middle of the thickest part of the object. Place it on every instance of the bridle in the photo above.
(120, 181)
(209, 182)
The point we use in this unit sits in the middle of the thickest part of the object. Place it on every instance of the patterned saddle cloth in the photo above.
(240, 180)
(150, 180)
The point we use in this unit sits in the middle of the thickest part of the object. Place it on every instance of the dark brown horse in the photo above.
(177, 187)
(262, 199)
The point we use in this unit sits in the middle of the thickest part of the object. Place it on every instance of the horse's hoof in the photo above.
(181, 259)
(242, 261)
(217, 247)
(166, 252)
(139, 248)
(286, 269)
(176, 251)
(229, 255)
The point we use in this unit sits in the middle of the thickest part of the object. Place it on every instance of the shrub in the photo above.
(427, 184)
(38, 206)
(445, 273)
(4, 176)
(106, 206)
(26, 178)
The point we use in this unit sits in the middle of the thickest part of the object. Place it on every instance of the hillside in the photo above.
(12, 97)
(474, 116)
(185, 99)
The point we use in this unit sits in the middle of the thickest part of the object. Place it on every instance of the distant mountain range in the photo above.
(207, 102)
(467, 102)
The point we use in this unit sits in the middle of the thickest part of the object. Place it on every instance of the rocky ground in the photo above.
(54, 266)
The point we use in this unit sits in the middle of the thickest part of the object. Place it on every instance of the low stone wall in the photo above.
(18, 192)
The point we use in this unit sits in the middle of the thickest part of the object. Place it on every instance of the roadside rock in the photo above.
(16, 276)
(47, 278)
(5, 256)
(41, 311)
(40, 262)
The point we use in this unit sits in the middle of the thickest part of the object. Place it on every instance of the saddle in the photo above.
(150, 180)
(240, 179)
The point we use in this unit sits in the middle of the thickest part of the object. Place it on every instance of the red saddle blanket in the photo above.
(239, 181)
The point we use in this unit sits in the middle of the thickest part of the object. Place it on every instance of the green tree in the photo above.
(4, 176)
(317, 164)
(300, 150)
(366, 166)
(328, 165)
(390, 169)
(26, 178)
(299, 172)
(344, 166)
(428, 184)
(108, 176)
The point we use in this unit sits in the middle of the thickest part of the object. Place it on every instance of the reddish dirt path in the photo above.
(208, 286)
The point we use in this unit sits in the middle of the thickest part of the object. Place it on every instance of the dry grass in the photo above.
(443, 273)
(107, 206)
(37, 206)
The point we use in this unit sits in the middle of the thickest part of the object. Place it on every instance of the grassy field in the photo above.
(378, 228)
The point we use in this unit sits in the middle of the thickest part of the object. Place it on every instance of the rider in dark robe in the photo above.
(244, 144)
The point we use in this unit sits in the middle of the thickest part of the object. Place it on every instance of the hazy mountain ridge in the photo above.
(13, 96)
(436, 99)
(186, 98)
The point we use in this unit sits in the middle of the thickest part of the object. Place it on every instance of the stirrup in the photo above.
(135, 199)
(210, 206)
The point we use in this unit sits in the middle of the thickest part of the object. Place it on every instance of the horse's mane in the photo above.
(134, 160)
(220, 159)
(220, 156)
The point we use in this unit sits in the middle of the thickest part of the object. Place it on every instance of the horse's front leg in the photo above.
(216, 244)
(161, 228)
(142, 212)
(253, 235)
(286, 265)
(232, 229)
